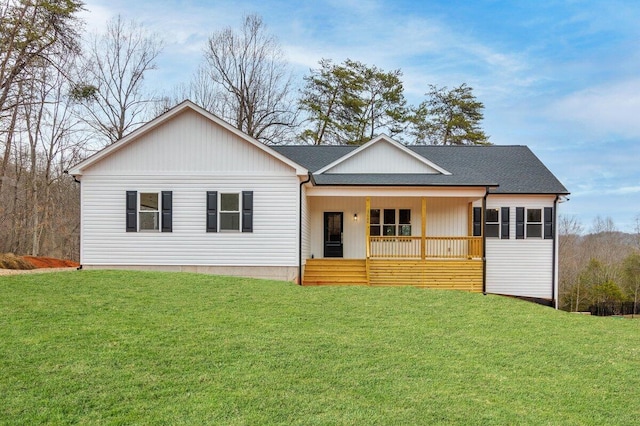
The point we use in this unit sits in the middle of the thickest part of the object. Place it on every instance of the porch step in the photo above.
(444, 274)
(335, 272)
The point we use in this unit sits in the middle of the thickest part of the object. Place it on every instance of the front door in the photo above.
(332, 234)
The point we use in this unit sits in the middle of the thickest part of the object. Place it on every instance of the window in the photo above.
(531, 220)
(230, 212)
(534, 223)
(492, 223)
(394, 222)
(496, 222)
(149, 211)
(389, 225)
(235, 212)
(404, 222)
(374, 222)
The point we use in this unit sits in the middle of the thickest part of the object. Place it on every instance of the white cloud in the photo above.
(625, 190)
(96, 16)
(611, 108)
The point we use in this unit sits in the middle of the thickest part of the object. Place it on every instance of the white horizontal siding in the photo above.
(520, 267)
(382, 157)
(188, 143)
(273, 241)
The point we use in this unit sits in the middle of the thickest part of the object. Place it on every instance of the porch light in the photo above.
(355, 217)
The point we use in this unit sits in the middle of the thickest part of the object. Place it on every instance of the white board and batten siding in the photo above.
(382, 158)
(190, 155)
(520, 267)
(189, 143)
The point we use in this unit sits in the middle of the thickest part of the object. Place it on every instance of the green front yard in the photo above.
(164, 348)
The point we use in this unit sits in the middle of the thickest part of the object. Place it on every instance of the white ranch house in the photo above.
(189, 192)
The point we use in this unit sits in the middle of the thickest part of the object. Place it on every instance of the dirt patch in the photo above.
(50, 262)
(9, 261)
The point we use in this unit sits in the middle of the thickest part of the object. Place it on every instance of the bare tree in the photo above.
(636, 229)
(570, 260)
(33, 31)
(252, 81)
(46, 141)
(112, 90)
(631, 277)
(33, 34)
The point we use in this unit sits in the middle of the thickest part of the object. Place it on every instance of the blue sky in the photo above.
(562, 77)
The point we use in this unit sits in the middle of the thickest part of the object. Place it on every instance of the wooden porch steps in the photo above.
(335, 272)
(443, 274)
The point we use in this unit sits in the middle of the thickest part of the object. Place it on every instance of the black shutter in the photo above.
(212, 211)
(548, 223)
(477, 221)
(167, 211)
(132, 211)
(504, 216)
(247, 211)
(519, 223)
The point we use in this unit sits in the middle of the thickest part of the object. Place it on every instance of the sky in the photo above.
(562, 77)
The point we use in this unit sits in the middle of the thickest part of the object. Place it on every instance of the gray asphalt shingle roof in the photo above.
(514, 169)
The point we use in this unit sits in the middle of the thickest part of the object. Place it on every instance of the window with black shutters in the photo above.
(149, 211)
(229, 211)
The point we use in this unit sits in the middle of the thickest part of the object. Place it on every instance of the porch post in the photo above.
(367, 225)
(367, 231)
(423, 231)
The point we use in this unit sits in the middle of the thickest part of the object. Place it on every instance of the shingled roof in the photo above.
(508, 169)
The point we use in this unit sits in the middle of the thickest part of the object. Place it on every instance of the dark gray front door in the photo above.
(332, 234)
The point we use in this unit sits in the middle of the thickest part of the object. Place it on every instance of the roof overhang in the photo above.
(397, 191)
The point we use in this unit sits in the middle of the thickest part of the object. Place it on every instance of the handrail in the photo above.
(435, 247)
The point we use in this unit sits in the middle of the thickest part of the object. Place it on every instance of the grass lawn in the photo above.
(163, 348)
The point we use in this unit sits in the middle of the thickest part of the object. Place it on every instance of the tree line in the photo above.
(601, 267)
(62, 100)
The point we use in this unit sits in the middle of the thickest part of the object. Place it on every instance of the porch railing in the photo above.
(433, 247)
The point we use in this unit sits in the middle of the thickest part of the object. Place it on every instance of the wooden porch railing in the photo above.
(383, 247)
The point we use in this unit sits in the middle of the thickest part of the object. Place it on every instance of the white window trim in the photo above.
(540, 223)
(158, 211)
(239, 211)
(497, 223)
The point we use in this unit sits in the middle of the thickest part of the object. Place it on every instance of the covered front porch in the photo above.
(392, 236)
